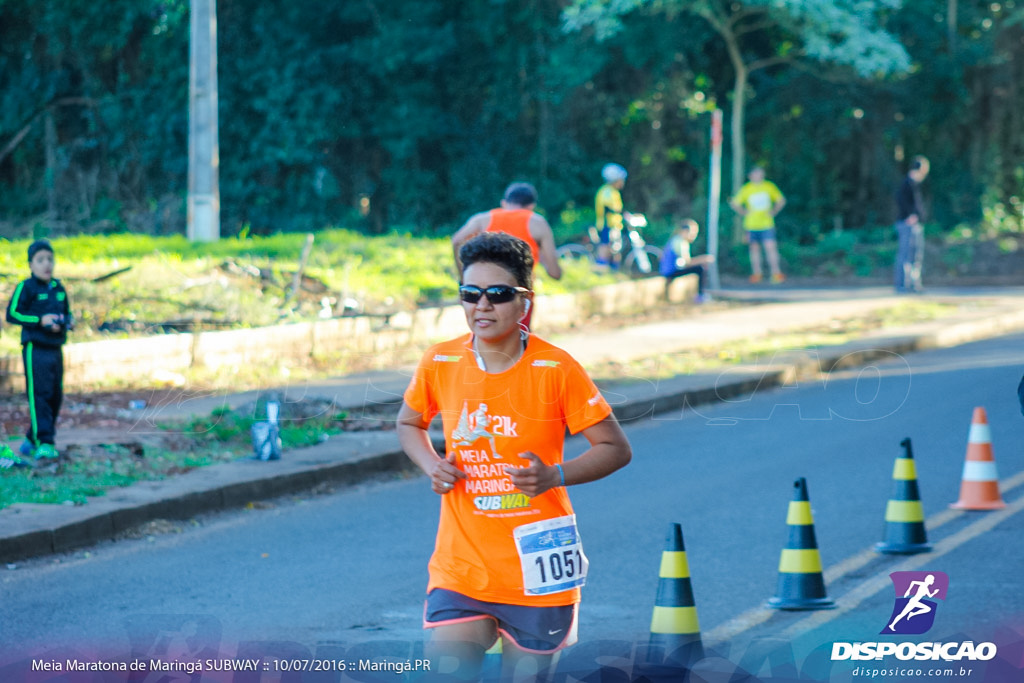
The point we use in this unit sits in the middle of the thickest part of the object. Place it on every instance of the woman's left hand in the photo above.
(536, 478)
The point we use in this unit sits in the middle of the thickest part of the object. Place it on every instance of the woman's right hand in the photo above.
(445, 475)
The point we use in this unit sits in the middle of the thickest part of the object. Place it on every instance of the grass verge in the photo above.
(753, 351)
(130, 285)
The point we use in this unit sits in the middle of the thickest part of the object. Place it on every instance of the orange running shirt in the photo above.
(488, 420)
(515, 222)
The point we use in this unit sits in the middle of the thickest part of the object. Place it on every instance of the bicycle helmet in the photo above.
(613, 172)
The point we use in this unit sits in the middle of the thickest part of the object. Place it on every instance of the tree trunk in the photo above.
(951, 25)
(1010, 121)
(543, 112)
(739, 143)
(50, 137)
(739, 90)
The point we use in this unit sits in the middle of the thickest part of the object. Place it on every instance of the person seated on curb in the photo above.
(677, 261)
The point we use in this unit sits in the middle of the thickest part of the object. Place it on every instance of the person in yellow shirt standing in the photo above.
(759, 201)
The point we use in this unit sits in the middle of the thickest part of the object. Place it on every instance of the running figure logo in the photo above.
(474, 427)
(914, 613)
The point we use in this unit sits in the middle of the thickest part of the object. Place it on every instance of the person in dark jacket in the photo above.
(40, 305)
(910, 227)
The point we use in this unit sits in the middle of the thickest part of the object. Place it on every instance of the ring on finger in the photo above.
(446, 485)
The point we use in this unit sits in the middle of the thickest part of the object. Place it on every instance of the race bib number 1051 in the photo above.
(551, 555)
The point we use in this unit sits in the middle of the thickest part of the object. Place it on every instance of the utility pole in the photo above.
(203, 144)
(714, 194)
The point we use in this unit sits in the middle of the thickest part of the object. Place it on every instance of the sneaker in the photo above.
(778, 277)
(9, 459)
(755, 278)
(703, 298)
(26, 448)
(46, 450)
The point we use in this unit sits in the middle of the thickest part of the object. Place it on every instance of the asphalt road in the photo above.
(348, 568)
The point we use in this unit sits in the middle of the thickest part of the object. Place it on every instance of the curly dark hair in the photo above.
(511, 253)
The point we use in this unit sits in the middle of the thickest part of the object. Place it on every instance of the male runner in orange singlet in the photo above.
(516, 217)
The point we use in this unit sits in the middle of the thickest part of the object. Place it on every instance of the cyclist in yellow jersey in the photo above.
(758, 201)
(608, 209)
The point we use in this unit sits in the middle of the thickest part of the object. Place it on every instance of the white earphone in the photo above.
(527, 306)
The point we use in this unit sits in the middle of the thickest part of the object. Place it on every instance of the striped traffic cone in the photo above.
(801, 584)
(904, 515)
(674, 628)
(979, 486)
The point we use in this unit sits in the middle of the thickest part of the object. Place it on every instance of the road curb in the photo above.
(48, 529)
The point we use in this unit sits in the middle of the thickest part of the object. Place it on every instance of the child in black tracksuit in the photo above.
(40, 306)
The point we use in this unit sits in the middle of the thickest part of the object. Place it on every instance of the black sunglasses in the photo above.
(496, 294)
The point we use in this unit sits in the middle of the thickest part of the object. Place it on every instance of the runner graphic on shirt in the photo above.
(473, 427)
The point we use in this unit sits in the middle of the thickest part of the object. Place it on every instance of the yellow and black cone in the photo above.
(904, 516)
(675, 631)
(801, 584)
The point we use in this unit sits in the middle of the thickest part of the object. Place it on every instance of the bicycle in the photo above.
(641, 260)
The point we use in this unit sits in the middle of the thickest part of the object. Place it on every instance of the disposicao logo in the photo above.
(914, 611)
(913, 614)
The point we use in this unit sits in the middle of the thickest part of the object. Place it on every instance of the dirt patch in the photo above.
(103, 429)
(112, 411)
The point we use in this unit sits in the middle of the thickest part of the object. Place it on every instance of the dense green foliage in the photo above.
(414, 114)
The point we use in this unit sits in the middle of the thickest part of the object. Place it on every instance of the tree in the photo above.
(412, 114)
(961, 108)
(88, 119)
(848, 36)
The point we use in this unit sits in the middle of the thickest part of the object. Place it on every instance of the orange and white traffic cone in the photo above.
(979, 487)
